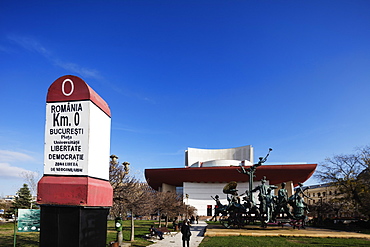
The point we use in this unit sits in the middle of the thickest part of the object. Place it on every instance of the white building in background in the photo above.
(197, 157)
(207, 171)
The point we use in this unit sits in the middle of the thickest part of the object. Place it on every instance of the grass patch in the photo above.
(247, 241)
(141, 229)
(31, 239)
(213, 222)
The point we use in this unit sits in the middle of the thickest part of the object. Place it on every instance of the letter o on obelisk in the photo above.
(72, 87)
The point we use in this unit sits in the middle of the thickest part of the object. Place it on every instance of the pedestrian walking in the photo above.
(185, 231)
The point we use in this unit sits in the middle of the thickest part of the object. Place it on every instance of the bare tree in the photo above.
(130, 196)
(167, 204)
(170, 205)
(31, 179)
(350, 174)
(133, 198)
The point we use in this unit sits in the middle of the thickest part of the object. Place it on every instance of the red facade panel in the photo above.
(274, 173)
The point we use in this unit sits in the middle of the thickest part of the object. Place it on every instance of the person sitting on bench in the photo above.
(155, 231)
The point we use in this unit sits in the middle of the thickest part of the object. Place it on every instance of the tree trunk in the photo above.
(160, 219)
(166, 221)
(132, 226)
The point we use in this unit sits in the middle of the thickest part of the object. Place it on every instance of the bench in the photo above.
(164, 230)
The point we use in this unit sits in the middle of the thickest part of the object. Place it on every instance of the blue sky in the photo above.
(291, 75)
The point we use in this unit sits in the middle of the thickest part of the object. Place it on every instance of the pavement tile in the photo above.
(197, 232)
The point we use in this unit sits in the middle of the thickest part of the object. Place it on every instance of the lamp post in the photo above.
(15, 227)
(187, 205)
(126, 167)
(119, 225)
(113, 159)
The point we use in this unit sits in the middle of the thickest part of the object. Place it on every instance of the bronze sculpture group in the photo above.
(270, 209)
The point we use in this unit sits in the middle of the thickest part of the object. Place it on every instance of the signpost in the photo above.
(28, 220)
(75, 193)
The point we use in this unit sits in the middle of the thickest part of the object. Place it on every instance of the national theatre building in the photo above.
(207, 171)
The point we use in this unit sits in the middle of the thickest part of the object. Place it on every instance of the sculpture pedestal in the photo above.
(73, 226)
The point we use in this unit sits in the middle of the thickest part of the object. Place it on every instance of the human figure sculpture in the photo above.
(219, 209)
(234, 199)
(282, 202)
(270, 205)
(247, 202)
(263, 194)
(297, 202)
(300, 190)
(250, 208)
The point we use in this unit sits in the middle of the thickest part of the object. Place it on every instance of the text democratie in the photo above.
(64, 123)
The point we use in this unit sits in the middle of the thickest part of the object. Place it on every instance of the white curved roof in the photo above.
(216, 157)
(218, 163)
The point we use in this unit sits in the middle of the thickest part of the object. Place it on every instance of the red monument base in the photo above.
(76, 191)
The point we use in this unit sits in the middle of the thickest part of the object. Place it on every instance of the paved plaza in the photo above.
(197, 232)
(202, 229)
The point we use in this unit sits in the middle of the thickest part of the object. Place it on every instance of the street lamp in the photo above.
(187, 205)
(114, 158)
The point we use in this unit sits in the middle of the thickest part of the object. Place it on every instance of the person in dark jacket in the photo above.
(155, 231)
(185, 231)
(192, 219)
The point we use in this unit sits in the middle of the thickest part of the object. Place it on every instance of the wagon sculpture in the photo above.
(271, 209)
